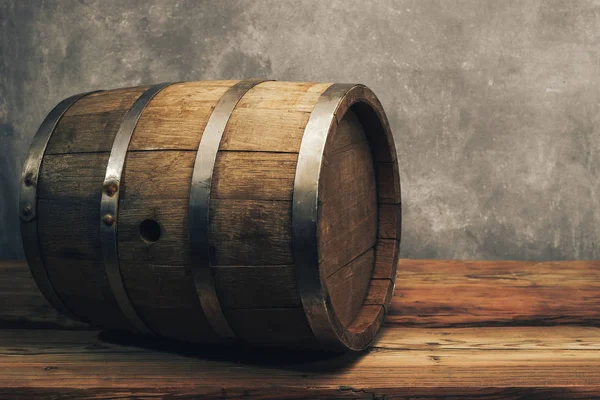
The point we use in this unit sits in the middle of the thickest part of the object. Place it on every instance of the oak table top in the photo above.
(456, 330)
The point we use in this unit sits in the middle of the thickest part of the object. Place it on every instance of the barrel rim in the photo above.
(28, 203)
(329, 110)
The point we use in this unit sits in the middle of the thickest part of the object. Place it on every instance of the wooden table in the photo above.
(457, 329)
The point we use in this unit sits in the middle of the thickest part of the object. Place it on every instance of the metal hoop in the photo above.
(327, 113)
(199, 205)
(110, 203)
(28, 203)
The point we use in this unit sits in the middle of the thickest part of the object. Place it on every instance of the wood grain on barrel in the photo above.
(91, 124)
(379, 292)
(254, 176)
(258, 286)
(156, 186)
(390, 216)
(71, 176)
(369, 319)
(241, 228)
(347, 222)
(69, 191)
(272, 116)
(348, 286)
(385, 252)
(177, 116)
(250, 210)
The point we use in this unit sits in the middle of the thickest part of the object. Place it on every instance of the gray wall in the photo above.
(494, 104)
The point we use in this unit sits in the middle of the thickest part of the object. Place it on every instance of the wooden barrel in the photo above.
(218, 211)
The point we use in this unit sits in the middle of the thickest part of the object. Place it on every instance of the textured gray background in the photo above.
(494, 104)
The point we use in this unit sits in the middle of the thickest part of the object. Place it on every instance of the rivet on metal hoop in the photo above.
(111, 187)
(108, 220)
(109, 208)
(28, 179)
(28, 201)
(27, 209)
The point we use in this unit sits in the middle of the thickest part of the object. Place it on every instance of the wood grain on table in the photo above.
(456, 329)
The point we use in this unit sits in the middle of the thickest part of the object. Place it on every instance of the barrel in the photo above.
(258, 212)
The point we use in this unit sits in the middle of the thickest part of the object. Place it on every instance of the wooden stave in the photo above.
(69, 239)
(28, 201)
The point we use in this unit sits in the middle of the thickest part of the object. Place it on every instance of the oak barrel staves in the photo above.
(294, 244)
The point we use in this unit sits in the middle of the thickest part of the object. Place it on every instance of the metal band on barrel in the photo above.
(305, 213)
(110, 203)
(198, 213)
(28, 203)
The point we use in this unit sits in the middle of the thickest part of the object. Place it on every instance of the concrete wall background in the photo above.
(494, 104)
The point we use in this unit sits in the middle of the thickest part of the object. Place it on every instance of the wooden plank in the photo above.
(176, 117)
(254, 176)
(312, 393)
(244, 232)
(380, 292)
(86, 133)
(160, 286)
(557, 362)
(69, 229)
(348, 286)
(91, 124)
(285, 96)
(266, 286)
(478, 293)
(155, 187)
(385, 253)
(370, 318)
(69, 236)
(390, 217)
(507, 363)
(105, 101)
(70, 176)
(157, 174)
(166, 299)
(156, 273)
(171, 249)
(22, 305)
(252, 129)
(543, 339)
(271, 117)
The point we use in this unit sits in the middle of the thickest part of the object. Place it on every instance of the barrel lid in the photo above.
(328, 114)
